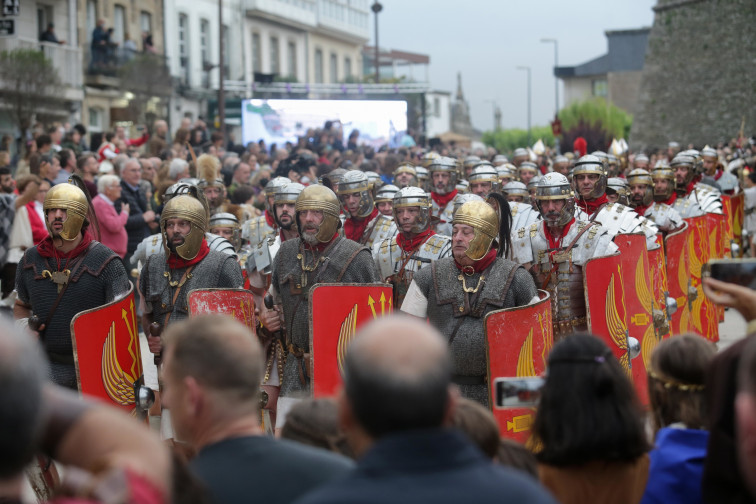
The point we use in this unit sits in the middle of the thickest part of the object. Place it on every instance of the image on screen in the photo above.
(380, 122)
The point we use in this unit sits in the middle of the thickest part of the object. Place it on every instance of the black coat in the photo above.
(136, 227)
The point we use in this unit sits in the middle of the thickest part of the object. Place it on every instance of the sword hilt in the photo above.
(155, 331)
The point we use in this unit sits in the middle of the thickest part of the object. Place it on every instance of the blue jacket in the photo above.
(676, 467)
(438, 466)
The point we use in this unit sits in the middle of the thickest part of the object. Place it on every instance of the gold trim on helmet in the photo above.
(322, 199)
(192, 210)
(70, 198)
(483, 219)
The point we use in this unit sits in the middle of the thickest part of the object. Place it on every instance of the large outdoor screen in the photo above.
(380, 122)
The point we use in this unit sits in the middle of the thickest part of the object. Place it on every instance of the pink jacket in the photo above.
(112, 226)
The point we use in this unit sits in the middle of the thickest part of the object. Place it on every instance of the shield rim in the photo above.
(585, 288)
(544, 296)
(86, 312)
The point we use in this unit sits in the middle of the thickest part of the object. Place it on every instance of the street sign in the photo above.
(11, 7)
(7, 27)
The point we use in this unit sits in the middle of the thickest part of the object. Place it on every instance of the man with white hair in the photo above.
(140, 216)
(178, 169)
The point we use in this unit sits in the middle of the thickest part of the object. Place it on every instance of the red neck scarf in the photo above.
(39, 230)
(410, 244)
(176, 262)
(320, 247)
(555, 242)
(354, 228)
(443, 199)
(270, 220)
(671, 200)
(718, 174)
(591, 206)
(692, 185)
(641, 209)
(46, 248)
(479, 265)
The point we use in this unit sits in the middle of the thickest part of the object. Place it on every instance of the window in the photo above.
(145, 22)
(91, 18)
(44, 17)
(436, 107)
(119, 24)
(600, 87)
(183, 33)
(334, 69)
(292, 59)
(347, 68)
(274, 56)
(205, 51)
(95, 120)
(256, 53)
(318, 66)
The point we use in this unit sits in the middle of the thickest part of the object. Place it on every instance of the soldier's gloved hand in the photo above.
(155, 344)
(271, 319)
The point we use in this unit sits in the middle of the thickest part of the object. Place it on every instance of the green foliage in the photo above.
(29, 84)
(594, 112)
(507, 140)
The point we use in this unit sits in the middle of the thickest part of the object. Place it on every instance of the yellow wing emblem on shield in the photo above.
(348, 328)
(617, 327)
(525, 364)
(118, 383)
(682, 278)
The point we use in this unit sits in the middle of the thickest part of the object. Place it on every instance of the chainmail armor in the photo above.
(447, 302)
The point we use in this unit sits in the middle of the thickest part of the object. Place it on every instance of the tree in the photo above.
(596, 121)
(29, 85)
(146, 77)
(507, 140)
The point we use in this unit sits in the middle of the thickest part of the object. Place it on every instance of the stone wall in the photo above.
(699, 78)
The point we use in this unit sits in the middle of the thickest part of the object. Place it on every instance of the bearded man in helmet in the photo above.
(589, 183)
(555, 250)
(641, 188)
(64, 274)
(455, 293)
(185, 263)
(364, 223)
(415, 246)
(443, 180)
(257, 229)
(318, 255)
(688, 174)
(664, 192)
(713, 167)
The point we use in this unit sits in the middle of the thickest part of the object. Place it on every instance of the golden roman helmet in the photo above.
(192, 210)
(320, 198)
(662, 171)
(70, 198)
(483, 219)
(639, 176)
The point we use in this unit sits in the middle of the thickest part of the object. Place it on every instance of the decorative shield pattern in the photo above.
(106, 352)
(336, 312)
(658, 264)
(677, 251)
(639, 300)
(729, 236)
(238, 303)
(702, 242)
(518, 341)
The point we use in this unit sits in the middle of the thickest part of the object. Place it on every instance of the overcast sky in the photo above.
(487, 39)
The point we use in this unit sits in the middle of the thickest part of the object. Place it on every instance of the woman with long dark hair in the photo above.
(589, 429)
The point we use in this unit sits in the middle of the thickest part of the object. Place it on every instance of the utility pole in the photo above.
(221, 90)
(376, 8)
(527, 69)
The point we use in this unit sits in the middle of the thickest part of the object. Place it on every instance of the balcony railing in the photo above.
(66, 59)
(109, 61)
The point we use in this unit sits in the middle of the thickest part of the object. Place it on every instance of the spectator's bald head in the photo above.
(397, 376)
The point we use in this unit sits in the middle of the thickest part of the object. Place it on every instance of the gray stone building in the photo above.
(699, 78)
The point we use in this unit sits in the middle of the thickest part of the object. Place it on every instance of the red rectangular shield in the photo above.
(738, 215)
(639, 302)
(676, 251)
(518, 341)
(657, 260)
(702, 243)
(106, 352)
(336, 312)
(238, 303)
(729, 236)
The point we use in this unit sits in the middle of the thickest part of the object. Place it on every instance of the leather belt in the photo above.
(468, 380)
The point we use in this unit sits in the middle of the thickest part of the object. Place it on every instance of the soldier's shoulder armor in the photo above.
(595, 242)
(383, 227)
(256, 230)
(708, 198)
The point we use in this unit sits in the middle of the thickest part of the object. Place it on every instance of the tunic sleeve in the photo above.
(415, 303)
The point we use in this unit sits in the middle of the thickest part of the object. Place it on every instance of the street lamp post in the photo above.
(221, 89)
(527, 69)
(556, 84)
(376, 8)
